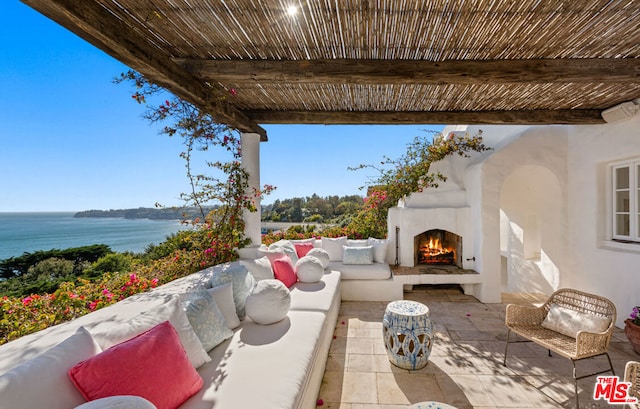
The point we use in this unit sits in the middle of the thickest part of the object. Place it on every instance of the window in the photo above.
(626, 201)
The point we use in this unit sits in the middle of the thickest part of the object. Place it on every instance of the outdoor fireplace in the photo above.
(438, 247)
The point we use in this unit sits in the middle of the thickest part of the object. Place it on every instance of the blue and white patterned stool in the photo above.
(408, 334)
(431, 405)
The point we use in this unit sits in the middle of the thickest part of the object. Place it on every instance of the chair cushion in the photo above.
(568, 321)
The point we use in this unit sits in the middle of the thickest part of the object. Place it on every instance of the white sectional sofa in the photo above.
(274, 366)
(363, 279)
(260, 366)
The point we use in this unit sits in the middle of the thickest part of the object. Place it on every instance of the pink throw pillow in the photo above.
(284, 271)
(303, 248)
(152, 365)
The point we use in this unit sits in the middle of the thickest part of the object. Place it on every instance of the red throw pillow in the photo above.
(303, 248)
(152, 365)
(284, 271)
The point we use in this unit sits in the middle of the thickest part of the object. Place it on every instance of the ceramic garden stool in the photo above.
(408, 334)
(431, 405)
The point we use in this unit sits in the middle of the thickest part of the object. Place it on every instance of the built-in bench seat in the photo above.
(280, 365)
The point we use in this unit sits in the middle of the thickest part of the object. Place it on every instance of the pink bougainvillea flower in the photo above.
(27, 300)
(320, 402)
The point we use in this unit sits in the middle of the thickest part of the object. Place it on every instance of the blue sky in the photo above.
(71, 140)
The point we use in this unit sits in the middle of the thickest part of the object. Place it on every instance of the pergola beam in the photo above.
(101, 28)
(466, 72)
(532, 117)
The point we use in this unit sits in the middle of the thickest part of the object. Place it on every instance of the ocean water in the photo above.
(20, 232)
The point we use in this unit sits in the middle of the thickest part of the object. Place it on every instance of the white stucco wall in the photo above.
(594, 264)
(537, 210)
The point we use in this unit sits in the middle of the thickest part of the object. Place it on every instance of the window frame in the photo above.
(633, 165)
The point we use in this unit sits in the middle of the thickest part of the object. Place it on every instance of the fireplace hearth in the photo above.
(438, 248)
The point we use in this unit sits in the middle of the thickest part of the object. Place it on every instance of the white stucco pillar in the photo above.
(250, 143)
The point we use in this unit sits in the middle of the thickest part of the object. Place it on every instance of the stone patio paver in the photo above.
(465, 367)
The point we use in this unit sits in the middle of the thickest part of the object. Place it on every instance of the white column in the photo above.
(250, 143)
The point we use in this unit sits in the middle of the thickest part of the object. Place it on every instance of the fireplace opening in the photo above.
(438, 247)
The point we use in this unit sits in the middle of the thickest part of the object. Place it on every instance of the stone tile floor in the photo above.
(465, 367)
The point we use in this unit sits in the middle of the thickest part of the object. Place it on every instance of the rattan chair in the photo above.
(527, 322)
(632, 374)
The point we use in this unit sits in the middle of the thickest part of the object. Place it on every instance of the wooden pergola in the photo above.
(251, 62)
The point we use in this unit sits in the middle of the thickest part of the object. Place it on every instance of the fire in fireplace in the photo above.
(438, 247)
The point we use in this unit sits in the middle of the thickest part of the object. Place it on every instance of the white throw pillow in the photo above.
(357, 255)
(311, 240)
(309, 269)
(321, 255)
(223, 296)
(264, 251)
(333, 246)
(118, 402)
(379, 249)
(242, 283)
(357, 243)
(568, 322)
(171, 311)
(269, 302)
(42, 381)
(288, 247)
(260, 268)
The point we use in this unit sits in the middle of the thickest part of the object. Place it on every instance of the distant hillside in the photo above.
(145, 213)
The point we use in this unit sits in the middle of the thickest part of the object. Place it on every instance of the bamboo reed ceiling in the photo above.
(374, 61)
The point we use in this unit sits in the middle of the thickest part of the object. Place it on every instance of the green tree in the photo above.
(112, 263)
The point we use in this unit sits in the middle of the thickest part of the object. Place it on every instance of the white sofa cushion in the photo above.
(171, 311)
(375, 271)
(42, 381)
(318, 296)
(261, 366)
(268, 302)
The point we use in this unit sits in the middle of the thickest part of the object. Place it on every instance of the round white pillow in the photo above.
(269, 302)
(118, 402)
(309, 269)
(320, 254)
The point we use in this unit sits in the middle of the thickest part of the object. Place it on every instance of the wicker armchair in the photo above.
(632, 374)
(528, 323)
